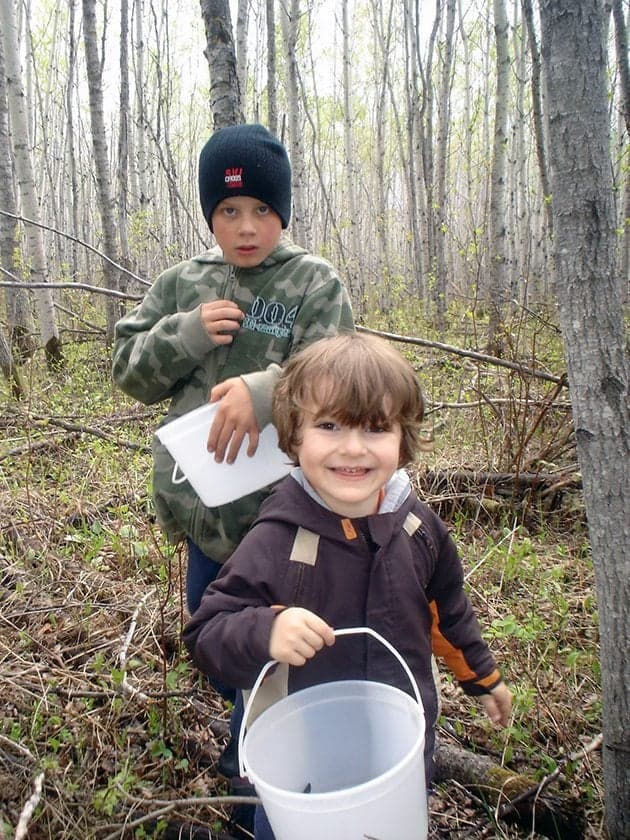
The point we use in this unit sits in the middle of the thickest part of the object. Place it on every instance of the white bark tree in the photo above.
(498, 218)
(621, 42)
(272, 98)
(242, 21)
(101, 158)
(591, 313)
(26, 182)
(441, 156)
(225, 96)
(19, 319)
(290, 21)
(124, 111)
(354, 276)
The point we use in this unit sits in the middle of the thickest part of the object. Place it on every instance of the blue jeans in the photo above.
(262, 829)
(201, 571)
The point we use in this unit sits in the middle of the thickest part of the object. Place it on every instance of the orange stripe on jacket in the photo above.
(453, 656)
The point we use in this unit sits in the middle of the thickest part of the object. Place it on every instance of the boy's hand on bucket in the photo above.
(498, 704)
(297, 634)
(234, 419)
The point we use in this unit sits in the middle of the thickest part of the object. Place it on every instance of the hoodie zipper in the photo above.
(227, 291)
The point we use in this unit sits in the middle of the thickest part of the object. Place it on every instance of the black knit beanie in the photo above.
(245, 160)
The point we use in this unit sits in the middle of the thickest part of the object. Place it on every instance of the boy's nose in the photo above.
(353, 442)
(246, 224)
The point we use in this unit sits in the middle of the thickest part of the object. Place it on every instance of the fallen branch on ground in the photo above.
(514, 796)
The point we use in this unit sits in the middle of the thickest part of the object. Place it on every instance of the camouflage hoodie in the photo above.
(162, 351)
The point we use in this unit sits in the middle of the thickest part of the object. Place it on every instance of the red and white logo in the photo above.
(234, 178)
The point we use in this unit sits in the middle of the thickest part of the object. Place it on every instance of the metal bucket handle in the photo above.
(345, 631)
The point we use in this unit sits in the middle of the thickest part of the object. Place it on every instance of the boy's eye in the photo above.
(377, 428)
(327, 425)
(263, 209)
(229, 211)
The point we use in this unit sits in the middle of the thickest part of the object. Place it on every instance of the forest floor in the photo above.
(107, 731)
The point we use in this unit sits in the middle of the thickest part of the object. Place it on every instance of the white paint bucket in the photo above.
(220, 483)
(355, 746)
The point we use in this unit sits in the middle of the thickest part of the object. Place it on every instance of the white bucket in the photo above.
(215, 483)
(355, 746)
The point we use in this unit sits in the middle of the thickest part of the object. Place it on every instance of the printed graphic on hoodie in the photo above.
(270, 317)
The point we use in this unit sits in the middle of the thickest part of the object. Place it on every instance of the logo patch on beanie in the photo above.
(234, 177)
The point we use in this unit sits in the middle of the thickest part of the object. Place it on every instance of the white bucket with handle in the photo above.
(220, 483)
(341, 760)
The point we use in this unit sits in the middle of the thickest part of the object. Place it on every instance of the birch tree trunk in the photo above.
(225, 95)
(70, 134)
(471, 254)
(242, 17)
(621, 43)
(382, 40)
(354, 275)
(290, 19)
(122, 171)
(519, 232)
(539, 133)
(498, 233)
(272, 99)
(426, 142)
(101, 160)
(413, 62)
(539, 265)
(9, 369)
(444, 115)
(140, 168)
(18, 314)
(591, 314)
(26, 183)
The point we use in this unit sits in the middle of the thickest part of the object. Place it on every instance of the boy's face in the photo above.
(246, 229)
(347, 466)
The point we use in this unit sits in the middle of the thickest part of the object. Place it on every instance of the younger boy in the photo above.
(343, 541)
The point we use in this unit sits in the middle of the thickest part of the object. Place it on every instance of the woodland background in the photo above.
(465, 165)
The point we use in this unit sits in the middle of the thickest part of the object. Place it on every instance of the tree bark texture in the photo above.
(498, 216)
(621, 42)
(290, 20)
(444, 114)
(18, 315)
(101, 157)
(590, 300)
(272, 99)
(26, 182)
(242, 20)
(225, 95)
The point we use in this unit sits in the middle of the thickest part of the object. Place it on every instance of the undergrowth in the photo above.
(97, 693)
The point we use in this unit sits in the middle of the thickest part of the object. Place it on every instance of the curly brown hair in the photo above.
(355, 378)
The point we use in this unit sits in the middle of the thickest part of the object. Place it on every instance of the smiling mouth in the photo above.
(351, 470)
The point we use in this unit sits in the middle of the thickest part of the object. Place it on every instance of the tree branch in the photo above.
(470, 354)
(79, 242)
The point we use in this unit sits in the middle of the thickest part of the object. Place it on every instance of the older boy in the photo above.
(217, 327)
(343, 541)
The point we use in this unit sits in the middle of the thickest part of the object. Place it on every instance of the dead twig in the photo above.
(126, 686)
(21, 830)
